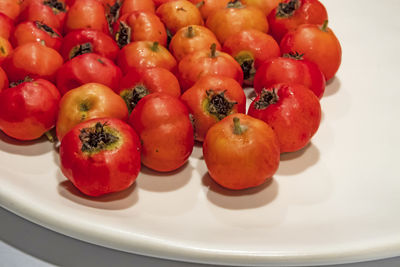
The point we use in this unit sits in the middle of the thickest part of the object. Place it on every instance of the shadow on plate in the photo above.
(27, 148)
(240, 199)
(293, 163)
(114, 201)
(332, 87)
(164, 182)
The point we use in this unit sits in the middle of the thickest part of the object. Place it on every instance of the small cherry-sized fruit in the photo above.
(241, 152)
(101, 156)
(292, 110)
(163, 125)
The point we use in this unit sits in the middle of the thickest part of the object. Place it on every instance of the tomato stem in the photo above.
(213, 50)
(325, 26)
(200, 4)
(50, 136)
(154, 47)
(190, 32)
(238, 129)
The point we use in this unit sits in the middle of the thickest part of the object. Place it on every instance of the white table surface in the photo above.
(23, 243)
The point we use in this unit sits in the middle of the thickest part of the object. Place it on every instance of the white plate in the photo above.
(336, 201)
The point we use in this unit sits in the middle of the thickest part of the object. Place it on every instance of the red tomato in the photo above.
(265, 5)
(88, 41)
(89, 101)
(290, 69)
(10, 8)
(51, 13)
(292, 13)
(251, 48)
(292, 110)
(101, 156)
(35, 31)
(139, 26)
(138, 83)
(88, 68)
(5, 49)
(163, 124)
(234, 18)
(203, 62)
(4, 83)
(179, 14)
(241, 152)
(129, 6)
(6, 26)
(212, 98)
(34, 60)
(318, 43)
(207, 7)
(190, 39)
(29, 109)
(86, 14)
(145, 54)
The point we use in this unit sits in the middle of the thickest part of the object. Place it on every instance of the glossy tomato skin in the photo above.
(3, 79)
(190, 39)
(6, 26)
(318, 43)
(294, 113)
(138, 83)
(86, 14)
(6, 49)
(29, 109)
(88, 68)
(292, 13)
(290, 70)
(88, 41)
(103, 170)
(265, 5)
(207, 61)
(251, 48)
(212, 98)
(129, 6)
(179, 14)
(165, 130)
(235, 18)
(34, 60)
(142, 26)
(34, 31)
(11, 8)
(239, 160)
(207, 7)
(88, 101)
(145, 54)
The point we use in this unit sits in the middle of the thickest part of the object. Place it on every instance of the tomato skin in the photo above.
(85, 14)
(265, 5)
(34, 31)
(105, 171)
(207, 7)
(203, 62)
(164, 127)
(10, 8)
(143, 26)
(29, 109)
(295, 117)
(151, 79)
(230, 20)
(251, 47)
(3, 79)
(6, 26)
(318, 43)
(197, 100)
(240, 161)
(6, 49)
(190, 39)
(145, 54)
(88, 68)
(179, 14)
(290, 70)
(34, 60)
(100, 43)
(129, 6)
(306, 12)
(88, 101)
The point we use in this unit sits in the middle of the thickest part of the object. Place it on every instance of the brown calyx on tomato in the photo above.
(267, 98)
(294, 55)
(286, 10)
(132, 96)
(246, 62)
(235, 4)
(56, 6)
(217, 104)
(123, 35)
(80, 50)
(16, 83)
(46, 28)
(112, 13)
(213, 50)
(98, 137)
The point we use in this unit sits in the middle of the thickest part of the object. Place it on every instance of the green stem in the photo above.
(154, 47)
(325, 26)
(213, 49)
(238, 129)
(49, 136)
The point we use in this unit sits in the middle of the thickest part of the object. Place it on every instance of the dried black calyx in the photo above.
(16, 83)
(46, 28)
(55, 5)
(294, 55)
(80, 50)
(132, 97)
(218, 105)
(248, 68)
(112, 14)
(123, 35)
(267, 98)
(235, 4)
(96, 138)
(285, 10)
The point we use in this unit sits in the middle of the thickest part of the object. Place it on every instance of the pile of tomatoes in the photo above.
(127, 83)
